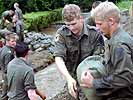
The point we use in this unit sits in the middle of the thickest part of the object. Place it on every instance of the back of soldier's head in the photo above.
(70, 12)
(106, 10)
(16, 5)
(21, 49)
(95, 4)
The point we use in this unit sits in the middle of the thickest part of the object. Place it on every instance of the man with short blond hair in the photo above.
(6, 55)
(117, 82)
(70, 12)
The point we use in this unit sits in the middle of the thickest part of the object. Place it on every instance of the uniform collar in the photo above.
(114, 34)
(11, 48)
(22, 59)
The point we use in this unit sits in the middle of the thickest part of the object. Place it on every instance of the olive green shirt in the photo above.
(6, 15)
(18, 12)
(90, 21)
(118, 81)
(20, 77)
(6, 55)
(73, 50)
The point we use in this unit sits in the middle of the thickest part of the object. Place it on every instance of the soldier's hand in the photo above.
(72, 87)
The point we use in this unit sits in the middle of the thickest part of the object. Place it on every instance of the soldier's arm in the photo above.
(62, 67)
(122, 72)
(70, 81)
(18, 29)
(7, 58)
(29, 83)
(60, 57)
(98, 43)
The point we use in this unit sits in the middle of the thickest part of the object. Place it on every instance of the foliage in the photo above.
(1, 6)
(43, 5)
(38, 20)
(46, 5)
(123, 4)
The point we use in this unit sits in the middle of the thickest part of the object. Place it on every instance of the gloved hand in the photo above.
(72, 87)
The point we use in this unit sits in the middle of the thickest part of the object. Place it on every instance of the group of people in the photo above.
(76, 42)
(17, 74)
(12, 20)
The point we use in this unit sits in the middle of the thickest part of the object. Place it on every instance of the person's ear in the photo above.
(111, 21)
(81, 18)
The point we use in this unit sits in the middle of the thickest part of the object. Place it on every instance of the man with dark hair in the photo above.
(20, 76)
(6, 55)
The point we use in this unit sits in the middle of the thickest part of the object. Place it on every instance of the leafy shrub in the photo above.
(38, 20)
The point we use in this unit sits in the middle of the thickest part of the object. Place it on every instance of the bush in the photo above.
(124, 4)
(1, 6)
(38, 20)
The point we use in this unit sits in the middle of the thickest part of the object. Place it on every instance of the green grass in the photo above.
(35, 14)
(123, 4)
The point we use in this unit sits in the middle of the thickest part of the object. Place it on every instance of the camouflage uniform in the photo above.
(6, 15)
(20, 79)
(90, 21)
(6, 55)
(117, 82)
(73, 50)
(19, 30)
(18, 12)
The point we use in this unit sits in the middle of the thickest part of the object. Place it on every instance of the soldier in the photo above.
(18, 11)
(117, 82)
(6, 18)
(18, 27)
(73, 43)
(90, 19)
(20, 76)
(6, 55)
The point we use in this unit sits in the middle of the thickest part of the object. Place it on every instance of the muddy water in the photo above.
(50, 30)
